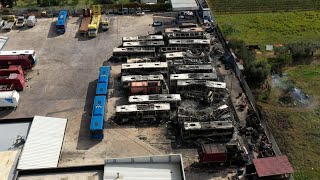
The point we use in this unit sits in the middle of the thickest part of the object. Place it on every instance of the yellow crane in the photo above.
(93, 27)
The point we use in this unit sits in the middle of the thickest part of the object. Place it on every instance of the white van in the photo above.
(9, 99)
(31, 21)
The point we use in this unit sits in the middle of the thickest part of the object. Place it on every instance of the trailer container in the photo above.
(86, 19)
(145, 87)
(99, 105)
(93, 27)
(30, 54)
(9, 99)
(26, 61)
(102, 89)
(96, 127)
(12, 79)
(212, 153)
(11, 20)
(31, 21)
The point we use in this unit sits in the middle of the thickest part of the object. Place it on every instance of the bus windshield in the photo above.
(60, 27)
(96, 132)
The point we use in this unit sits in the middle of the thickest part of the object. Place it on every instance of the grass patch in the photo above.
(271, 28)
(306, 77)
(236, 6)
(297, 130)
(298, 136)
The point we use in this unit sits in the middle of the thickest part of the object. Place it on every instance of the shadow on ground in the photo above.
(84, 141)
(52, 33)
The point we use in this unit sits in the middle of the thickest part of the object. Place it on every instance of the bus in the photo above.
(32, 57)
(62, 22)
(97, 118)
(104, 73)
(96, 127)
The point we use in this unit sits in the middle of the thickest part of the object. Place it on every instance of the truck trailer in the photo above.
(9, 99)
(93, 27)
(21, 21)
(12, 78)
(86, 19)
(26, 61)
(11, 20)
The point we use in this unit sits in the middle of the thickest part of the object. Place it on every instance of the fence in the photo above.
(232, 63)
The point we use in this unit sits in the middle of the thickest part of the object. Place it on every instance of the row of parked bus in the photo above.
(99, 104)
(12, 70)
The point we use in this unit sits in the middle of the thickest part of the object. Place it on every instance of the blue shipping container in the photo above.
(104, 73)
(102, 89)
(99, 105)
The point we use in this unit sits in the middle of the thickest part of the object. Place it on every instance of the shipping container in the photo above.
(212, 153)
(12, 78)
(27, 61)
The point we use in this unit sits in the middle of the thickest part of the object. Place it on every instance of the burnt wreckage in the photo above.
(174, 80)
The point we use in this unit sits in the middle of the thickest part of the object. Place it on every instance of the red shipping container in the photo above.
(212, 153)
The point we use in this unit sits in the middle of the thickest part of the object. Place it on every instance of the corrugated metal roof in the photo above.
(272, 166)
(43, 144)
(3, 41)
(184, 5)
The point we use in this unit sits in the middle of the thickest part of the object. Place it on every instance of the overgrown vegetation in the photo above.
(297, 130)
(245, 6)
(271, 28)
(255, 72)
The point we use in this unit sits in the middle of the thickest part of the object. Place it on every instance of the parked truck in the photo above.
(21, 21)
(105, 24)
(11, 20)
(221, 154)
(26, 61)
(93, 27)
(31, 21)
(9, 99)
(12, 78)
(86, 19)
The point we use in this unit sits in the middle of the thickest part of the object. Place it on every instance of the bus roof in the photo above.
(196, 76)
(155, 98)
(143, 107)
(102, 89)
(96, 123)
(137, 78)
(17, 52)
(62, 17)
(104, 73)
(98, 105)
(145, 65)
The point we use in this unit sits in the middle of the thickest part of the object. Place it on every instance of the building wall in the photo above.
(149, 1)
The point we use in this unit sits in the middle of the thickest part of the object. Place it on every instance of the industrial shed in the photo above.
(44, 142)
(184, 5)
(273, 166)
(165, 167)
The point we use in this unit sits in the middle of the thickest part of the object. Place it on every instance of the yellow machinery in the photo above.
(93, 27)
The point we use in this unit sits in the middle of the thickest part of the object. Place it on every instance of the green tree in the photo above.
(7, 3)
